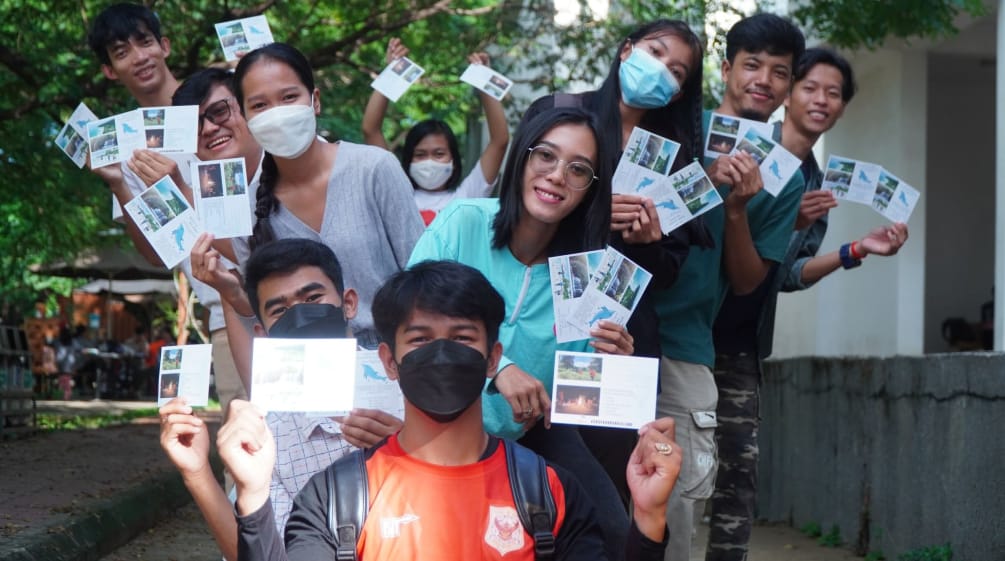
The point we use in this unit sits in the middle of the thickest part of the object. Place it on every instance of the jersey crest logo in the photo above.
(504, 532)
(390, 526)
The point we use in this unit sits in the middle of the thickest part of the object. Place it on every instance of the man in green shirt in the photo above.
(751, 231)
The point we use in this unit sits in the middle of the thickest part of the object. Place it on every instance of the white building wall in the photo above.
(876, 310)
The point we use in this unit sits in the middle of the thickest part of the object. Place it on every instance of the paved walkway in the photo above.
(111, 492)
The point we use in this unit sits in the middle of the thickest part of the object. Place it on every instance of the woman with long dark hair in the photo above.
(554, 199)
(654, 83)
(353, 198)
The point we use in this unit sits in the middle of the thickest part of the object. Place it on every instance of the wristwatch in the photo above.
(847, 261)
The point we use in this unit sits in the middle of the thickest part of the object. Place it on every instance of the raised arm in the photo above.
(885, 240)
(185, 440)
(376, 107)
(495, 118)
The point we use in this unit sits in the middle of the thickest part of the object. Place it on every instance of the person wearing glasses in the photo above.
(127, 41)
(654, 83)
(554, 199)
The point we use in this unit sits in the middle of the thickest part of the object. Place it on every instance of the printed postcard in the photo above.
(396, 78)
(307, 375)
(487, 80)
(166, 220)
(184, 372)
(604, 390)
(112, 140)
(894, 198)
(220, 189)
(241, 36)
(777, 164)
(73, 145)
(570, 275)
(725, 132)
(374, 390)
(614, 290)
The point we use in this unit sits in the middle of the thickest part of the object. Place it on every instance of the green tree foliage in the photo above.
(853, 24)
(51, 210)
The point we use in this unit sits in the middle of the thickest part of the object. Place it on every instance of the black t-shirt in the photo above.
(735, 329)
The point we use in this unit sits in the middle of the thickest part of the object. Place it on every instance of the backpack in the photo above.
(528, 478)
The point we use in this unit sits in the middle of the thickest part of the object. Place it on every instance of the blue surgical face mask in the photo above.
(646, 83)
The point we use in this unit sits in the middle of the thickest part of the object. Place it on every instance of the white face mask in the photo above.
(430, 175)
(285, 131)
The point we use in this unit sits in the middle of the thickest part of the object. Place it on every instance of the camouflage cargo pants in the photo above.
(737, 378)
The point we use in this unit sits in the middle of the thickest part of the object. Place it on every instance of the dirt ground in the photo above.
(47, 475)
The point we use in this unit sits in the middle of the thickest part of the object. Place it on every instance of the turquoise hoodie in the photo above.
(463, 232)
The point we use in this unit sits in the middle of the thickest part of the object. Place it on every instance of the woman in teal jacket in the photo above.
(555, 199)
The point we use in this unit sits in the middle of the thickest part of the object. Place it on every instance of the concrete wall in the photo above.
(961, 191)
(878, 309)
(900, 453)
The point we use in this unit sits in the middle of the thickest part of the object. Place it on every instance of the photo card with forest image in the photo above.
(184, 372)
(220, 189)
(603, 390)
(166, 220)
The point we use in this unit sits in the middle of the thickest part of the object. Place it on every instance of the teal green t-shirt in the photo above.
(687, 310)
(462, 232)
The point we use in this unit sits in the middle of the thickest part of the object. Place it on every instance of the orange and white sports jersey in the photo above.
(420, 511)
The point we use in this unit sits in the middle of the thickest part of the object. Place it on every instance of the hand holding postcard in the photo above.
(615, 288)
(396, 78)
(241, 36)
(777, 164)
(113, 140)
(725, 132)
(221, 197)
(161, 129)
(604, 390)
(166, 220)
(184, 373)
(374, 390)
(487, 80)
(308, 375)
(870, 184)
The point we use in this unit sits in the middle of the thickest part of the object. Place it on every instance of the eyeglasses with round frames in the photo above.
(543, 160)
(217, 113)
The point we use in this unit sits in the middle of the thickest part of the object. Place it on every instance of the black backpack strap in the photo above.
(528, 478)
(348, 504)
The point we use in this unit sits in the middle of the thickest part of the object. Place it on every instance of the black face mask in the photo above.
(442, 378)
(310, 321)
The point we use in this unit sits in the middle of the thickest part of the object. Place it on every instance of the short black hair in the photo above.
(441, 287)
(196, 88)
(819, 55)
(422, 130)
(285, 256)
(119, 22)
(765, 32)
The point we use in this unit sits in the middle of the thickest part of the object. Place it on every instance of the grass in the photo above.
(832, 538)
(931, 553)
(55, 421)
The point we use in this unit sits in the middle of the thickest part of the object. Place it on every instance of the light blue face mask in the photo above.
(646, 83)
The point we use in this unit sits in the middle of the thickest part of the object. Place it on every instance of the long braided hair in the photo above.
(266, 202)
